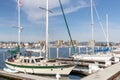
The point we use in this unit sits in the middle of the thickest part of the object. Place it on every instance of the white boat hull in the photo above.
(43, 71)
(92, 57)
(10, 70)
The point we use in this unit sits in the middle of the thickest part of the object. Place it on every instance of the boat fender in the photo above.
(58, 76)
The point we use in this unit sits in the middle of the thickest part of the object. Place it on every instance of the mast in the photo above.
(92, 25)
(19, 28)
(107, 30)
(46, 29)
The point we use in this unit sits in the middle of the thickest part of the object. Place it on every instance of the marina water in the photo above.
(63, 52)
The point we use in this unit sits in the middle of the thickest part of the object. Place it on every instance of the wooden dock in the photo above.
(22, 76)
(110, 73)
(82, 62)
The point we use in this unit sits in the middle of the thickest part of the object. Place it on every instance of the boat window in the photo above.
(61, 68)
(25, 60)
(51, 69)
(41, 58)
(37, 60)
(32, 61)
(28, 60)
(21, 60)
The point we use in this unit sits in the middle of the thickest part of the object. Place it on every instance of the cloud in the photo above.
(73, 6)
(34, 14)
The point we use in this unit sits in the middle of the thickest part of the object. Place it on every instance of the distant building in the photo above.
(59, 43)
(75, 43)
(22, 45)
(91, 43)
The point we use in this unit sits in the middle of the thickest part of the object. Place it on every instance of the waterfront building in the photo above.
(59, 43)
(75, 42)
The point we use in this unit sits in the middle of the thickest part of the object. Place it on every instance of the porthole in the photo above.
(51, 69)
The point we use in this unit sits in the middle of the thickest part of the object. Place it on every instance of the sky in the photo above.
(78, 17)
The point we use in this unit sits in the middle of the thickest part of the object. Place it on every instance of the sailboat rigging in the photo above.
(94, 56)
(68, 30)
(38, 65)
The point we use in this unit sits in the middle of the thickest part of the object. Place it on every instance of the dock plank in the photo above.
(23, 76)
(104, 74)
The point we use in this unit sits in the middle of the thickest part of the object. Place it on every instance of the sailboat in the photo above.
(92, 56)
(38, 65)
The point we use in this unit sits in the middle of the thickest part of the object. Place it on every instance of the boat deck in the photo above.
(39, 64)
(105, 74)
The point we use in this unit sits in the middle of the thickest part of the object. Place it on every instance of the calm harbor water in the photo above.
(63, 53)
